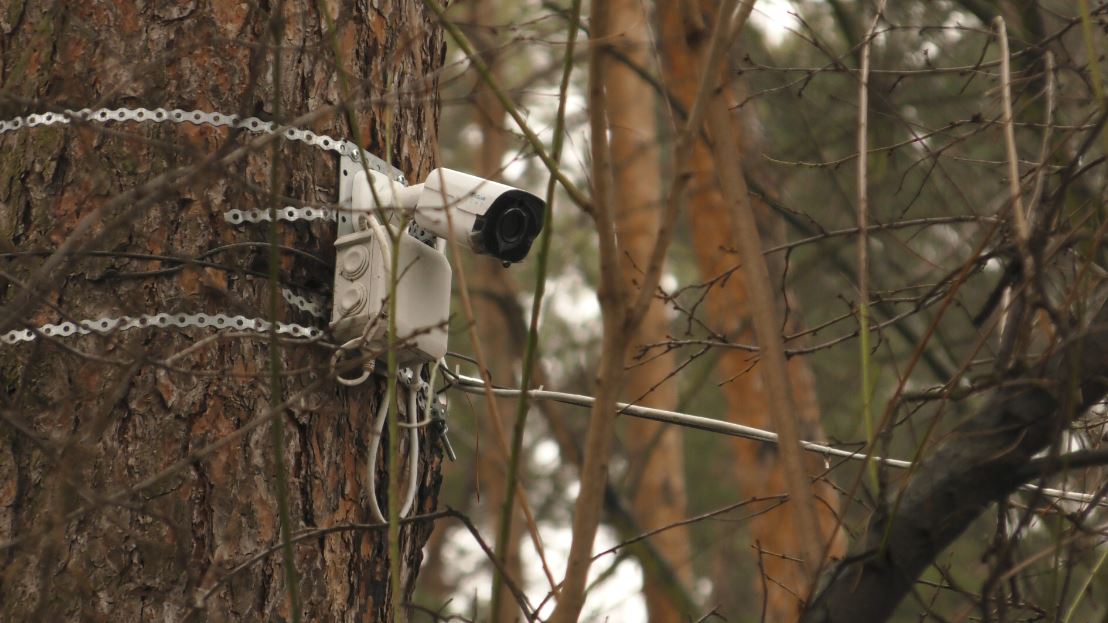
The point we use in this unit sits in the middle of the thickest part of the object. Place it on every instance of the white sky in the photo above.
(772, 17)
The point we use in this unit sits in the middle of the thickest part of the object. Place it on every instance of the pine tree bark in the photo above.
(726, 306)
(83, 418)
(656, 458)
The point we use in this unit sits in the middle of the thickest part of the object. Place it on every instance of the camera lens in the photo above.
(513, 224)
(509, 227)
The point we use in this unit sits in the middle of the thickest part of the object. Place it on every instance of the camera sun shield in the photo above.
(511, 225)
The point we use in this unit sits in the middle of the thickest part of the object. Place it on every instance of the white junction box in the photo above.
(363, 274)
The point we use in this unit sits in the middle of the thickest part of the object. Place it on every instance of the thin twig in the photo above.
(490, 402)
(765, 587)
(598, 440)
(863, 241)
(129, 203)
(486, 76)
(779, 499)
(531, 347)
(767, 323)
(459, 268)
(277, 427)
(1044, 148)
(619, 321)
(315, 533)
(686, 143)
(181, 464)
(1093, 57)
(1019, 219)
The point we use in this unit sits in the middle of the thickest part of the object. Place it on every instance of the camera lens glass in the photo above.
(509, 227)
(513, 224)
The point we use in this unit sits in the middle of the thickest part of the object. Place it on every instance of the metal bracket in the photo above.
(348, 168)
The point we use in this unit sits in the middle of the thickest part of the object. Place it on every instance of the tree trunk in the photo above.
(490, 283)
(89, 417)
(757, 467)
(656, 465)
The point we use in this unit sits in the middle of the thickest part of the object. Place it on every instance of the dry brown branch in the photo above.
(767, 325)
(598, 440)
(619, 321)
(1019, 219)
(493, 405)
(863, 235)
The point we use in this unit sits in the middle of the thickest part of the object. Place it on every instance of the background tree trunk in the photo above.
(91, 416)
(656, 460)
(756, 466)
(491, 284)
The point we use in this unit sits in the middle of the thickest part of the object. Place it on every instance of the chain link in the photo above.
(293, 214)
(310, 304)
(287, 213)
(346, 149)
(104, 326)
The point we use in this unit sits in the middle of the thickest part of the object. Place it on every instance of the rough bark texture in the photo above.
(656, 461)
(757, 467)
(83, 425)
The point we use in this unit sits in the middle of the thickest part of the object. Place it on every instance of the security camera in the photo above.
(484, 216)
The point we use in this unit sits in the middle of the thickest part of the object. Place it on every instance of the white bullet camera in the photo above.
(481, 215)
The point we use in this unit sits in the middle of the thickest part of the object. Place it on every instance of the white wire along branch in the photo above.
(473, 385)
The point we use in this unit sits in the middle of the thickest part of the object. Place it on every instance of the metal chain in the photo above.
(287, 213)
(292, 213)
(346, 149)
(310, 304)
(104, 326)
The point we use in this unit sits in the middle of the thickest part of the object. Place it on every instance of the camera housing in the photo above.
(485, 216)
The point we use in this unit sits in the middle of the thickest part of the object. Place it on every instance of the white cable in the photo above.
(381, 234)
(371, 461)
(473, 385)
(413, 451)
(413, 446)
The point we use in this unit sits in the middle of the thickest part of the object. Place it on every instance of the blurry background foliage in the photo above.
(937, 151)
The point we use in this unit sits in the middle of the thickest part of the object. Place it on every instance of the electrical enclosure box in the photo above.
(362, 278)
